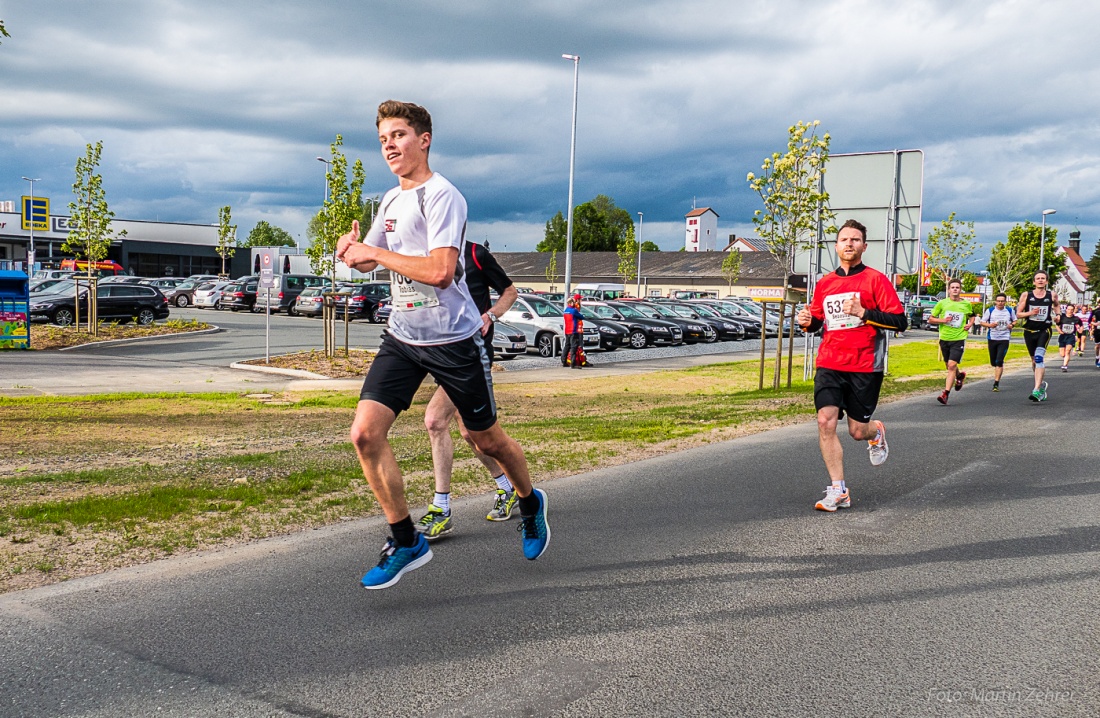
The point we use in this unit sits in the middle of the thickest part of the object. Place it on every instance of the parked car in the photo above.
(771, 322)
(52, 274)
(364, 300)
(240, 295)
(541, 322)
(209, 295)
(508, 341)
(731, 310)
(724, 329)
(121, 302)
(183, 293)
(164, 284)
(286, 289)
(612, 334)
(310, 303)
(694, 330)
(643, 330)
(39, 286)
(200, 278)
(123, 279)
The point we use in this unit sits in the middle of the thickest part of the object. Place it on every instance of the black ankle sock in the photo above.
(404, 533)
(529, 505)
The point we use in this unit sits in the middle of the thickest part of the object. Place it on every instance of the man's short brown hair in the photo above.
(954, 280)
(418, 118)
(856, 224)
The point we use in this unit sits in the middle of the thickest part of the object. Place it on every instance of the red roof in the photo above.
(1074, 257)
(700, 211)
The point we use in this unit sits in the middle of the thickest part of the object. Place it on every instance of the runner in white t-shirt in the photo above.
(435, 328)
(999, 320)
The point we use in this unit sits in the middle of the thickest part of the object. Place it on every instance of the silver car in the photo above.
(209, 295)
(508, 341)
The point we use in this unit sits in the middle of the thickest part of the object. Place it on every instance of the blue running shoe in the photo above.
(535, 530)
(397, 560)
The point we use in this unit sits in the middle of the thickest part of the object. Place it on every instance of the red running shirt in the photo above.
(852, 344)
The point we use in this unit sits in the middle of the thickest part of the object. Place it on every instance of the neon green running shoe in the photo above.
(502, 508)
(435, 524)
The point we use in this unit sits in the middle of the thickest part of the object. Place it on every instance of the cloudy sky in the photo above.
(202, 104)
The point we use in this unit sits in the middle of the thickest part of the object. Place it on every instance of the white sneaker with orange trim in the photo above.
(836, 497)
(877, 447)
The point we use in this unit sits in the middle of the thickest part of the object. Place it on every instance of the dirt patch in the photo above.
(341, 366)
(49, 336)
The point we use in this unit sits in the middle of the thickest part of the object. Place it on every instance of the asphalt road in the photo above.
(963, 582)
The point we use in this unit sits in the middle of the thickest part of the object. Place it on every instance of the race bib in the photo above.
(1044, 313)
(409, 296)
(1003, 325)
(954, 319)
(835, 318)
(1067, 328)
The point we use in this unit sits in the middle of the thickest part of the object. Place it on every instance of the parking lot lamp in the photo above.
(1042, 239)
(638, 269)
(30, 252)
(576, 59)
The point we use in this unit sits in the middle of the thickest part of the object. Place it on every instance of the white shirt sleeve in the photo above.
(445, 214)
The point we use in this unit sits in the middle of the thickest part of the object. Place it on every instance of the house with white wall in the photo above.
(702, 230)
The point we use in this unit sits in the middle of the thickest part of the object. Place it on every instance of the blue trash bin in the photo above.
(15, 317)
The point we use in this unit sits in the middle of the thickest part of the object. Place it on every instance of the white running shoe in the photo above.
(836, 497)
(877, 447)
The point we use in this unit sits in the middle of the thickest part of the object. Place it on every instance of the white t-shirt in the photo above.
(413, 222)
(1003, 318)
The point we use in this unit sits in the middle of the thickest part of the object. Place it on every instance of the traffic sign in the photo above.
(36, 213)
(267, 269)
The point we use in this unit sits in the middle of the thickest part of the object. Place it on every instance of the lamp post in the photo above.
(324, 208)
(638, 269)
(1042, 239)
(576, 59)
(30, 252)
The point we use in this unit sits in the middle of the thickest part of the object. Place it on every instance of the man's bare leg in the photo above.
(497, 445)
(831, 450)
(369, 436)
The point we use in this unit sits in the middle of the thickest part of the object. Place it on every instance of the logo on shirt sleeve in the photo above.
(391, 225)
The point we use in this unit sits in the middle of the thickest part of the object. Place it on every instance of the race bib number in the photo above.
(1043, 315)
(409, 296)
(954, 319)
(1002, 325)
(835, 318)
(1067, 328)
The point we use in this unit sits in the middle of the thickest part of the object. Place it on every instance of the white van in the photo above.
(603, 292)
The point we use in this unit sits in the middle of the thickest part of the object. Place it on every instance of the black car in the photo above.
(731, 310)
(118, 302)
(240, 295)
(612, 334)
(695, 330)
(364, 300)
(643, 330)
(725, 329)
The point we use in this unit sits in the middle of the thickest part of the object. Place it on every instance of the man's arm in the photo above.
(890, 312)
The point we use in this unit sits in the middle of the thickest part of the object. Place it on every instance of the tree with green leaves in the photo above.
(552, 269)
(628, 257)
(1094, 271)
(598, 226)
(227, 236)
(1023, 243)
(268, 235)
(731, 268)
(554, 238)
(90, 233)
(790, 188)
(1007, 270)
(343, 205)
(950, 245)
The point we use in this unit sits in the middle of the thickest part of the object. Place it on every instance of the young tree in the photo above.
(790, 189)
(628, 257)
(343, 205)
(90, 233)
(1007, 270)
(950, 247)
(731, 268)
(1094, 271)
(552, 269)
(268, 235)
(1023, 242)
(227, 236)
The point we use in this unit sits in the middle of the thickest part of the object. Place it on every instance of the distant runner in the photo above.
(955, 317)
(998, 319)
(1094, 323)
(1068, 325)
(1038, 307)
(1084, 314)
(855, 304)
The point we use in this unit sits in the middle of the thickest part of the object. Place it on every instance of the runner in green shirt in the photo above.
(955, 318)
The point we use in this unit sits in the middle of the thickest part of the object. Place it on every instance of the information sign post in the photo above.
(267, 281)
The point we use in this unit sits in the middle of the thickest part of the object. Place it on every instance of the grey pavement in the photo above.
(962, 582)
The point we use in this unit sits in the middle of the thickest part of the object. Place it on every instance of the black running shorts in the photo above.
(1067, 340)
(854, 392)
(953, 350)
(1035, 339)
(462, 368)
(998, 349)
(1096, 335)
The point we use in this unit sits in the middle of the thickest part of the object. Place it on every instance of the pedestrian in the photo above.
(954, 318)
(1068, 323)
(434, 329)
(856, 305)
(483, 273)
(1084, 315)
(1038, 307)
(998, 319)
(574, 333)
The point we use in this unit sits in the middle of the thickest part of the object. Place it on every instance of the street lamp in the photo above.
(639, 267)
(1042, 239)
(328, 166)
(572, 164)
(30, 253)
(328, 169)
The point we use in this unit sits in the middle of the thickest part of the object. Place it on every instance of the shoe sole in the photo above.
(959, 383)
(545, 522)
(499, 518)
(821, 507)
(410, 566)
(941, 400)
(438, 535)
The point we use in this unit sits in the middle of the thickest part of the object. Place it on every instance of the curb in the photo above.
(297, 373)
(131, 340)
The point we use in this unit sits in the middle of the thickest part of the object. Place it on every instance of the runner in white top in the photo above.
(999, 320)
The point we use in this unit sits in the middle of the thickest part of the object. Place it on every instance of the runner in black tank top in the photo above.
(1038, 307)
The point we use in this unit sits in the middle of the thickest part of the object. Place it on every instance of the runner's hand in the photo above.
(347, 240)
(853, 307)
(804, 317)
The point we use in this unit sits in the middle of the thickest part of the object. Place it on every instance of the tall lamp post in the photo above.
(639, 267)
(1042, 239)
(30, 252)
(328, 168)
(572, 164)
